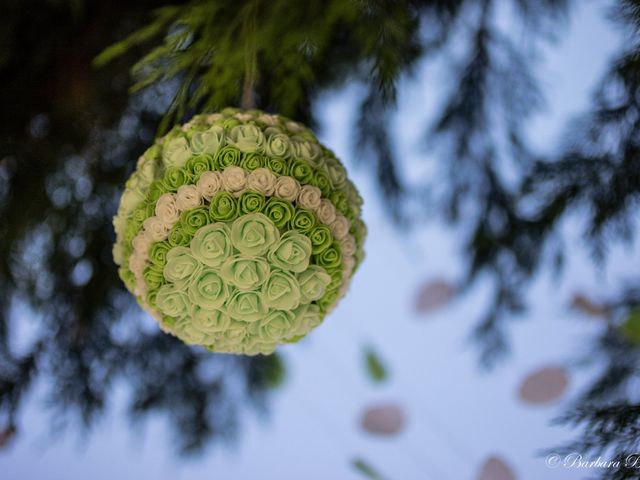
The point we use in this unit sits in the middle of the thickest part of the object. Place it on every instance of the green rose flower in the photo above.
(208, 290)
(209, 322)
(153, 276)
(313, 283)
(303, 220)
(281, 291)
(158, 253)
(174, 178)
(198, 164)
(141, 213)
(247, 138)
(279, 211)
(223, 207)
(336, 279)
(172, 301)
(211, 244)
(321, 180)
(253, 234)
(251, 201)
(246, 306)
(226, 157)
(208, 141)
(176, 152)
(245, 273)
(276, 326)
(127, 277)
(181, 266)
(329, 300)
(178, 236)
(292, 252)
(301, 171)
(278, 145)
(276, 165)
(329, 257)
(194, 219)
(252, 161)
(156, 190)
(131, 230)
(321, 238)
(339, 200)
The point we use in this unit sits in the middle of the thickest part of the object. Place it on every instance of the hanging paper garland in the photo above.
(238, 231)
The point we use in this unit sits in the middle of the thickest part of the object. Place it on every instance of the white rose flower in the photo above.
(118, 255)
(209, 184)
(243, 117)
(287, 188)
(137, 264)
(340, 227)
(141, 245)
(349, 264)
(348, 246)
(326, 212)
(167, 210)
(234, 179)
(187, 197)
(146, 168)
(309, 197)
(262, 180)
(140, 288)
(294, 127)
(268, 119)
(214, 117)
(155, 230)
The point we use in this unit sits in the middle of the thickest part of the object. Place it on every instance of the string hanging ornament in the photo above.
(239, 231)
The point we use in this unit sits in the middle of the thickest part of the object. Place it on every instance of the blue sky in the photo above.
(456, 414)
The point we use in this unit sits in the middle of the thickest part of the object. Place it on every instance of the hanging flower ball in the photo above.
(238, 231)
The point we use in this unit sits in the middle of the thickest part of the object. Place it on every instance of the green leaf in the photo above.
(375, 367)
(367, 470)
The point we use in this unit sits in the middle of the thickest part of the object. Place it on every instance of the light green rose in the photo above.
(309, 151)
(278, 145)
(246, 306)
(292, 252)
(306, 318)
(208, 141)
(253, 234)
(276, 326)
(208, 290)
(181, 266)
(281, 291)
(336, 171)
(245, 273)
(190, 334)
(232, 337)
(313, 282)
(176, 152)
(172, 301)
(212, 244)
(209, 322)
(246, 138)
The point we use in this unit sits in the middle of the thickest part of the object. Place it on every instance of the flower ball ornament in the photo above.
(238, 231)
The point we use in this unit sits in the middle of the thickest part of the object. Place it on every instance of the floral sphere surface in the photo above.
(238, 231)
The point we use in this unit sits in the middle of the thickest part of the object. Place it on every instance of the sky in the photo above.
(456, 414)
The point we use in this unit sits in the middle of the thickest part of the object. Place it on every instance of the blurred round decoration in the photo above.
(433, 295)
(238, 231)
(495, 468)
(586, 306)
(544, 385)
(384, 420)
(630, 328)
